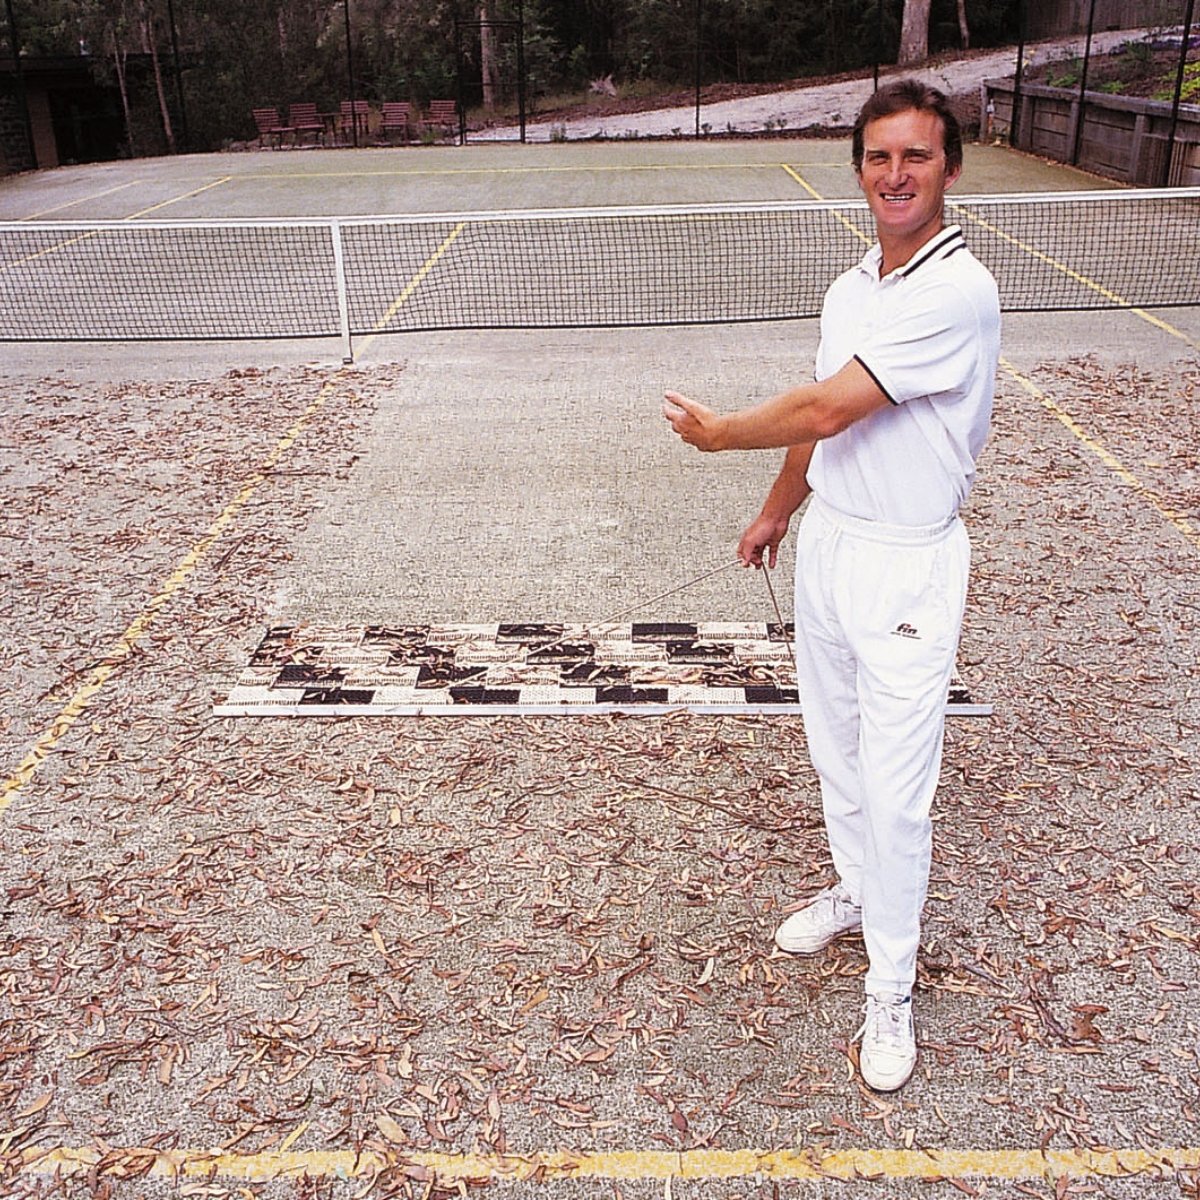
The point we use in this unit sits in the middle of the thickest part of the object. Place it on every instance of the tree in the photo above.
(148, 25)
(914, 33)
(488, 67)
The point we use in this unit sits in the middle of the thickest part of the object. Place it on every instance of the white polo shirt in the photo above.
(929, 334)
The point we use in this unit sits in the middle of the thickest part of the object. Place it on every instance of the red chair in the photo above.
(270, 126)
(397, 116)
(443, 117)
(354, 117)
(303, 118)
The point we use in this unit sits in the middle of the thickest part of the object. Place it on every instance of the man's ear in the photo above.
(952, 174)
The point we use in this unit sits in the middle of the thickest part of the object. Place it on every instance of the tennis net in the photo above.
(562, 268)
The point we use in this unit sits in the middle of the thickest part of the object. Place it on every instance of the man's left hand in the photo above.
(697, 425)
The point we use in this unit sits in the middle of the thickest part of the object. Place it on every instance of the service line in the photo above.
(1110, 460)
(121, 650)
(1106, 456)
(83, 237)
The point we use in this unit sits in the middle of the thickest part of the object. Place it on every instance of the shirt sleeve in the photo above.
(930, 347)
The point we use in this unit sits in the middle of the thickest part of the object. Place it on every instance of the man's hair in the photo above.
(902, 95)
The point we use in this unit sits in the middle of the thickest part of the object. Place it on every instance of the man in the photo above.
(885, 442)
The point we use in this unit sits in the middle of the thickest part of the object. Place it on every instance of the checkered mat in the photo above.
(459, 670)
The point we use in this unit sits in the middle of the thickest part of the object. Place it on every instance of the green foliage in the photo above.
(1138, 55)
(49, 27)
(241, 54)
(993, 22)
(1190, 94)
(1066, 74)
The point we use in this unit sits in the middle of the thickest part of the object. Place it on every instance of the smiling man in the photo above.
(885, 442)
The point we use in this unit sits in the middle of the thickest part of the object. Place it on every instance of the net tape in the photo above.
(562, 268)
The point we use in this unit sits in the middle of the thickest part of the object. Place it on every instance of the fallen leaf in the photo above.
(36, 1107)
(390, 1129)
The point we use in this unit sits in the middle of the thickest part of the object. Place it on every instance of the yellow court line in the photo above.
(1107, 457)
(414, 283)
(82, 200)
(812, 191)
(123, 647)
(1099, 288)
(176, 199)
(20, 262)
(579, 169)
(83, 237)
(1110, 460)
(628, 1165)
(103, 671)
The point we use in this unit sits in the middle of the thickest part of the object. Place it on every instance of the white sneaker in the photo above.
(830, 914)
(889, 1046)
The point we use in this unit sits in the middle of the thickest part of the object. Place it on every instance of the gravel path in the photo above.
(830, 106)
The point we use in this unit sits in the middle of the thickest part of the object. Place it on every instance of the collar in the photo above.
(943, 244)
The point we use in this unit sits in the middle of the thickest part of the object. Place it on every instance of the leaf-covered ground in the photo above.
(511, 936)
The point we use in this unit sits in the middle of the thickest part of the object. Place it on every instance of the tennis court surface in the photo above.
(531, 956)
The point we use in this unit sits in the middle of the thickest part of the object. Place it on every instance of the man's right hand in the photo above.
(763, 533)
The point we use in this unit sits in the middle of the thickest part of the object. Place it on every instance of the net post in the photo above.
(339, 274)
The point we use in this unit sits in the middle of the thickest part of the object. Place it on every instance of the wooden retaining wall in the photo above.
(1114, 136)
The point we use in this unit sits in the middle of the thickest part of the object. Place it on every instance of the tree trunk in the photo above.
(914, 33)
(150, 43)
(964, 29)
(122, 87)
(487, 56)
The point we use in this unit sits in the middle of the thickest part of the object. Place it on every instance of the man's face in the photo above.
(904, 175)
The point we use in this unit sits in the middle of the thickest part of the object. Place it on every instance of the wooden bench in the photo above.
(443, 117)
(303, 118)
(397, 117)
(354, 118)
(270, 126)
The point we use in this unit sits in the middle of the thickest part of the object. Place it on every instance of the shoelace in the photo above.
(888, 1020)
(839, 906)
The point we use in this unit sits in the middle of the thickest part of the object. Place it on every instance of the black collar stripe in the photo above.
(942, 246)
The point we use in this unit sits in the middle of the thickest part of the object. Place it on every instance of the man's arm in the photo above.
(801, 415)
(787, 493)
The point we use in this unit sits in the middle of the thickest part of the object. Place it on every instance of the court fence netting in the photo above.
(560, 268)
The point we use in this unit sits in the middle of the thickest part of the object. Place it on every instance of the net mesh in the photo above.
(564, 268)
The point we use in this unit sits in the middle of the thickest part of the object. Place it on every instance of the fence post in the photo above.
(350, 78)
(339, 272)
(1081, 108)
(1183, 53)
(520, 74)
(1014, 129)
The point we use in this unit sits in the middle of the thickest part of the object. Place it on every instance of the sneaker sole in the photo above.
(815, 947)
(887, 1088)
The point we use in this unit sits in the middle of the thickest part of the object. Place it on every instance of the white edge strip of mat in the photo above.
(531, 710)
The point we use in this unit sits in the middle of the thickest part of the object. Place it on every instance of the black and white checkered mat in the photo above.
(504, 669)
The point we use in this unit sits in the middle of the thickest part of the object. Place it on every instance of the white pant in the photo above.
(878, 613)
